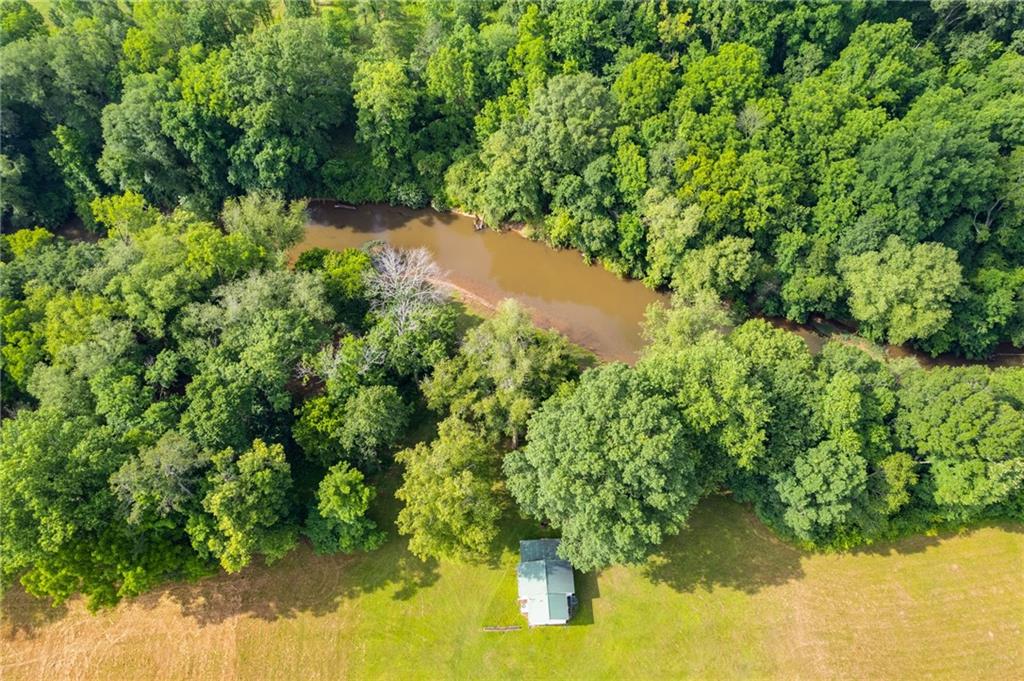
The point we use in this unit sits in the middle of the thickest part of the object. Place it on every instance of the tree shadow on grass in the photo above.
(919, 543)
(302, 583)
(23, 615)
(306, 583)
(725, 545)
(504, 555)
(513, 529)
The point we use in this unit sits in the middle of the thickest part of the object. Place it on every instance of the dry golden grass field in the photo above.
(725, 599)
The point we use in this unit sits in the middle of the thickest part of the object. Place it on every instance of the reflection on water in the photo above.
(590, 305)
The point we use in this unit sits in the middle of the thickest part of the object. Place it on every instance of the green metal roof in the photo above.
(545, 582)
(538, 549)
(558, 607)
(559, 577)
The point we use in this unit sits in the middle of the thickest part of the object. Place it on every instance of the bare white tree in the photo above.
(404, 282)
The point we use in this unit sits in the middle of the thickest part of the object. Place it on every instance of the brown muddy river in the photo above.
(590, 305)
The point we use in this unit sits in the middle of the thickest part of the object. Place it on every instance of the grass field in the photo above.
(725, 599)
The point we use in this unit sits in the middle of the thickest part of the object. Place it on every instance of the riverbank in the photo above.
(591, 306)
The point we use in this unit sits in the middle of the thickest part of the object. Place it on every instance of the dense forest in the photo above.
(178, 399)
(856, 160)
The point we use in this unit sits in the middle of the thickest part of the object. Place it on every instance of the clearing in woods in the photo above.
(725, 599)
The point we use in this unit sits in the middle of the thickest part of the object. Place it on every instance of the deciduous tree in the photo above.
(901, 293)
(610, 464)
(338, 522)
(246, 507)
(452, 493)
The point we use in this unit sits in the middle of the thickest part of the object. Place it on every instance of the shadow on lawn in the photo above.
(725, 545)
(505, 556)
(587, 591)
(305, 583)
(921, 542)
(302, 583)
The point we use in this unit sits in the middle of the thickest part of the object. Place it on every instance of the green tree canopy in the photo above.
(610, 464)
(338, 521)
(504, 369)
(268, 222)
(285, 102)
(452, 493)
(902, 292)
(969, 427)
(246, 509)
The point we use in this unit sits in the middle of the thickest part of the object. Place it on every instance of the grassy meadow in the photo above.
(725, 599)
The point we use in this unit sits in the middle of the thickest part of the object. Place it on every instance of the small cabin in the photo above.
(547, 590)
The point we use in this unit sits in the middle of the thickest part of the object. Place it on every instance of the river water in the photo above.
(588, 304)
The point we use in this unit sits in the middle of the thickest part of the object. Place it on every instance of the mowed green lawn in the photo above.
(725, 599)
